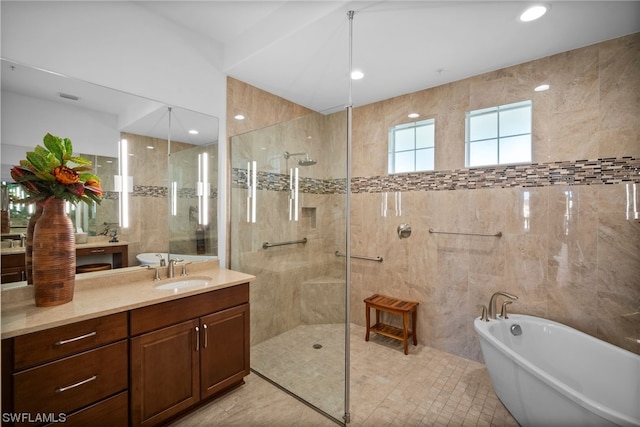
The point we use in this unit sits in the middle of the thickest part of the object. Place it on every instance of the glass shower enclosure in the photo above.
(288, 221)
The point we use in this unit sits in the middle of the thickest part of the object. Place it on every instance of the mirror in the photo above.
(96, 118)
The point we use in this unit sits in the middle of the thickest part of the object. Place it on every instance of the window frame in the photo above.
(498, 110)
(392, 152)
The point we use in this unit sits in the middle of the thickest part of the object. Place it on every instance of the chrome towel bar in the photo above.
(267, 245)
(368, 258)
(498, 234)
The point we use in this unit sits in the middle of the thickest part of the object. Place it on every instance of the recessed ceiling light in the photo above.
(357, 75)
(542, 88)
(193, 132)
(534, 12)
(151, 147)
(413, 115)
(238, 117)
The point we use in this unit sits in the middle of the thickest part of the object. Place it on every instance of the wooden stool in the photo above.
(393, 306)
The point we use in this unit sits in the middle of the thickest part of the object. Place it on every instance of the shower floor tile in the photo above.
(425, 388)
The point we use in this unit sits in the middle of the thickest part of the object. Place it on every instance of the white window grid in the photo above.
(425, 148)
(498, 111)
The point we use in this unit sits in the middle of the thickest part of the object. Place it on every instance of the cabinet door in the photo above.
(224, 356)
(164, 372)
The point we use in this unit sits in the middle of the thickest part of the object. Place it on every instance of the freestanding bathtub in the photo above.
(553, 375)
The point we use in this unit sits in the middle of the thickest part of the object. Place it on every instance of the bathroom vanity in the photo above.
(125, 351)
(13, 259)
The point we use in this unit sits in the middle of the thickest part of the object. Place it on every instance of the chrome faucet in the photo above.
(503, 313)
(163, 262)
(156, 275)
(172, 263)
(484, 317)
(184, 269)
(492, 303)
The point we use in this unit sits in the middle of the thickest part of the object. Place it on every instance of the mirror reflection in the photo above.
(160, 140)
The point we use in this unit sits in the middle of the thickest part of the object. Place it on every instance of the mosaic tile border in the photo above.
(580, 172)
(162, 192)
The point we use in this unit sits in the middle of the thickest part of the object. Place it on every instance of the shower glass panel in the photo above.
(287, 221)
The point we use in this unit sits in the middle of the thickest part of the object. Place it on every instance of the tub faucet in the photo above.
(503, 313)
(492, 303)
(484, 317)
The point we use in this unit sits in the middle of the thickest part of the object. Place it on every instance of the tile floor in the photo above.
(425, 388)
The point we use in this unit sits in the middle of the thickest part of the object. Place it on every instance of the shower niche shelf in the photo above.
(308, 217)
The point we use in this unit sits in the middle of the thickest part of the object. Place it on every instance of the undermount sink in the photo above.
(183, 283)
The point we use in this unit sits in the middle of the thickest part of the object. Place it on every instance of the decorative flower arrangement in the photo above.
(45, 174)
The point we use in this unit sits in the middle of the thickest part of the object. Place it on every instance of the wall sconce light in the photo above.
(174, 198)
(123, 184)
(252, 176)
(293, 194)
(203, 188)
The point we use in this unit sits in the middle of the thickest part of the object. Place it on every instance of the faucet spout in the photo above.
(172, 263)
(492, 303)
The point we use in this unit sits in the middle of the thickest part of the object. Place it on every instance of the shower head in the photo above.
(304, 162)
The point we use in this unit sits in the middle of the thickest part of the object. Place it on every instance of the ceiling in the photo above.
(300, 51)
(135, 114)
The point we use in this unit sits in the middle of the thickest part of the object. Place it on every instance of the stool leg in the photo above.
(368, 315)
(414, 318)
(405, 333)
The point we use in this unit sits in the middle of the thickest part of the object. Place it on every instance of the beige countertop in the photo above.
(94, 244)
(103, 293)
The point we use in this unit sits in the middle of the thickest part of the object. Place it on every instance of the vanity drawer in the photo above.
(51, 344)
(73, 382)
(13, 260)
(168, 313)
(111, 412)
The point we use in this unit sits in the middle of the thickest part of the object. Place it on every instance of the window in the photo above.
(499, 135)
(411, 147)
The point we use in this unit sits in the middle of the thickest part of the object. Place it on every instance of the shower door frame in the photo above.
(347, 272)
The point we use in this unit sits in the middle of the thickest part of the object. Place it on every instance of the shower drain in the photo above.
(317, 346)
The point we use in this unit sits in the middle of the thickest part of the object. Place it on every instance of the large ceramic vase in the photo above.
(54, 256)
(28, 250)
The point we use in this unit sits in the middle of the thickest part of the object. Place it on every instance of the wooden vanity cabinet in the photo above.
(187, 350)
(75, 373)
(140, 367)
(13, 268)
(119, 254)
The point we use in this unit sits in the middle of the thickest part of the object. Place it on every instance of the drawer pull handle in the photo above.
(69, 387)
(81, 337)
(197, 339)
(206, 335)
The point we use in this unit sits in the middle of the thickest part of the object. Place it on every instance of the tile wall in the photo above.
(570, 244)
(149, 204)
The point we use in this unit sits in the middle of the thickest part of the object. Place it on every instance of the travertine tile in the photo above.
(425, 388)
